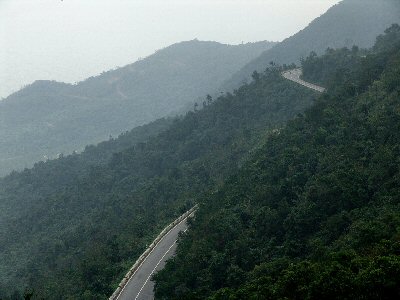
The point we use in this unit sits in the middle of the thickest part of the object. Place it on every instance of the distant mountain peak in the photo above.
(348, 23)
(164, 83)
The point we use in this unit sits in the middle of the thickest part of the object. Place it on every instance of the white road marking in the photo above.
(120, 293)
(154, 269)
(294, 75)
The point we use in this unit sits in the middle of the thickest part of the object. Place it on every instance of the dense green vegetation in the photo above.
(354, 68)
(325, 69)
(47, 118)
(315, 213)
(310, 209)
(70, 228)
(351, 22)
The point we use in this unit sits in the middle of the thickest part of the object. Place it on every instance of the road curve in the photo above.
(140, 286)
(294, 75)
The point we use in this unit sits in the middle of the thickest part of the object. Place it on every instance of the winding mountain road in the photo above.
(139, 286)
(294, 75)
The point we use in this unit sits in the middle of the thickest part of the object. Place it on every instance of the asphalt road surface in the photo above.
(140, 286)
(294, 75)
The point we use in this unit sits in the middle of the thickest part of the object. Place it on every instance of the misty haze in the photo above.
(222, 149)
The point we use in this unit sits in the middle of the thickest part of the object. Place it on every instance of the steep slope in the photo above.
(351, 22)
(315, 213)
(73, 226)
(47, 118)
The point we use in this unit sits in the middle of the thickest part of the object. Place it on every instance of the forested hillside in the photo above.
(315, 212)
(347, 66)
(48, 118)
(351, 22)
(70, 228)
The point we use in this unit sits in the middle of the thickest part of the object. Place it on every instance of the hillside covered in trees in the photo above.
(71, 227)
(300, 209)
(350, 22)
(315, 212)
(48, 118)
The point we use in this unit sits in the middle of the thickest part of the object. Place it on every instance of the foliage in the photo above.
(47, 118)
(350, 22)
(315, 213)
(73, 226)
(353, 69)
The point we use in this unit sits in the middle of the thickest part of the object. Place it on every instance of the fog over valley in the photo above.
(199, 149)
(71, 40)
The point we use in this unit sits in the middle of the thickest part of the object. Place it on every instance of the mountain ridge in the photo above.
(49, 117)
(96, 211)
(315, 212)
(348, 23)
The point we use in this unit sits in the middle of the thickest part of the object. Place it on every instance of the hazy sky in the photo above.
(71, 40)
